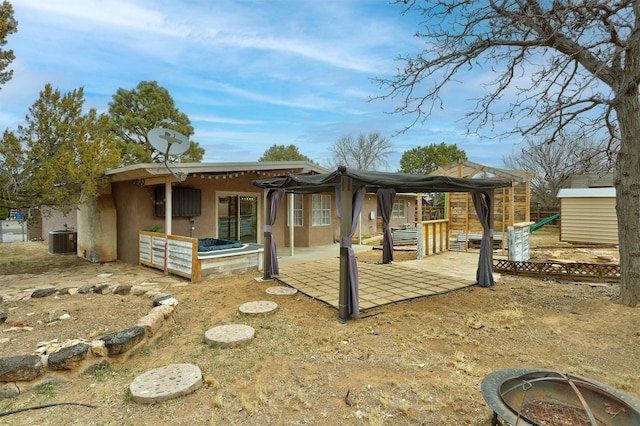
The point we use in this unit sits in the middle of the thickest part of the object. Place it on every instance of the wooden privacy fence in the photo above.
(180, 253)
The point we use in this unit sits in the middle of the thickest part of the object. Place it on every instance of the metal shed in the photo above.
(588, 215)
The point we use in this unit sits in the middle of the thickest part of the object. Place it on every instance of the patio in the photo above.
(315, 273)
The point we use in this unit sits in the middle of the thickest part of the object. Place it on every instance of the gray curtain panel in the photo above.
(275, 196)
(345, 241)
(484, 274)
(386, 197)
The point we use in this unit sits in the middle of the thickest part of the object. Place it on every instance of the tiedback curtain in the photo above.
(386, 197)
(484, 274)
(275, 197)
(345, 241)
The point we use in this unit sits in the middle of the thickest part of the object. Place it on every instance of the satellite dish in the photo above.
(167, 141)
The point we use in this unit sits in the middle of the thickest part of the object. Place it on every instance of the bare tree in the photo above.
(554, 163)
(366, 152)
(562, 65)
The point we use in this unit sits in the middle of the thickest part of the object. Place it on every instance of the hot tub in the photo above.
(206, 245)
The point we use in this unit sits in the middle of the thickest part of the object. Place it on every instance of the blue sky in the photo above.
(248, 73)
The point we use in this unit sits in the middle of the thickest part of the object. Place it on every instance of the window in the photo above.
(321, 213)
(297, 210)
(398, 209)
(185, 202)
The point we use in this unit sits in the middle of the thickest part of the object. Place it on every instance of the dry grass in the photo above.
(419, 362)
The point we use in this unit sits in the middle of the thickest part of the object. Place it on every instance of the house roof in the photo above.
(469, 169)
(401, 182)
(158, 171)
(608, 192)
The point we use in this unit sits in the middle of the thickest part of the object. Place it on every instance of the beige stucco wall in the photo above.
(54, 220)
(97, 230)
(588, 220)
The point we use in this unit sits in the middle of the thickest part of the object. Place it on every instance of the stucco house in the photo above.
(212, 200)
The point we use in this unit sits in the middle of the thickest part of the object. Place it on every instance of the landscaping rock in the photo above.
(86, 289)
(68, 358)
(123, 290)
(8, 390)
(3, 317)
(20, 368)
(43, 292)
(121, 341)
(103, 364)
(103, 289)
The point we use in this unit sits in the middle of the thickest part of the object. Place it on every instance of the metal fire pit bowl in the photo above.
(539, 397)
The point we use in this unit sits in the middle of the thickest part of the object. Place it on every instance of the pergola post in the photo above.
(266, 267)
(490, 203)
(346, 206)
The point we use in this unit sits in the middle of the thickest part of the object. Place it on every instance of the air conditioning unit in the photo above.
(63, 242)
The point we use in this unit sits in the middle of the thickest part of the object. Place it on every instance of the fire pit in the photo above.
(530, 397)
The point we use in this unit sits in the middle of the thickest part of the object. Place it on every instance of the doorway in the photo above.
(238, 218)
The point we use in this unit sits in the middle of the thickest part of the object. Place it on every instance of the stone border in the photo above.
(28, 372)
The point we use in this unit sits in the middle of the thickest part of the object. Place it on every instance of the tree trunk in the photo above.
(628, 198)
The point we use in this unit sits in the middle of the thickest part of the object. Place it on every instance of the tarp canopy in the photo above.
(372, 181)
(350, 186)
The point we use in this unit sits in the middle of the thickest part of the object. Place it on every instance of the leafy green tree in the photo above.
(135, 112)
(283, 153)
(366, 152)
(555, 66)
(8, 25)
(60, 156)
(425, 159)
(12, 161)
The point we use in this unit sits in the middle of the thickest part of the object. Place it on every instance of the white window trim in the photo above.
(324, 211)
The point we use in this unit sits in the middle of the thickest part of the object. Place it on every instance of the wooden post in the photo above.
(346, 207)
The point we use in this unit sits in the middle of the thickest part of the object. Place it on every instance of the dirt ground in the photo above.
(416, 362)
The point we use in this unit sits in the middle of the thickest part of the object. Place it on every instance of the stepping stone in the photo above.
(281, 291)
(163, 383)
(227, 336)
(256, 308)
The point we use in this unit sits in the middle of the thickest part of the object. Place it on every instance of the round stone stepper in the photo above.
(281, 291)
(227, 336)
(163, 383)
(259, 307)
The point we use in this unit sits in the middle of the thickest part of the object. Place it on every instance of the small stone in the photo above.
(98, 348)
(166, 299)
(65, 317)
(3, 317)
